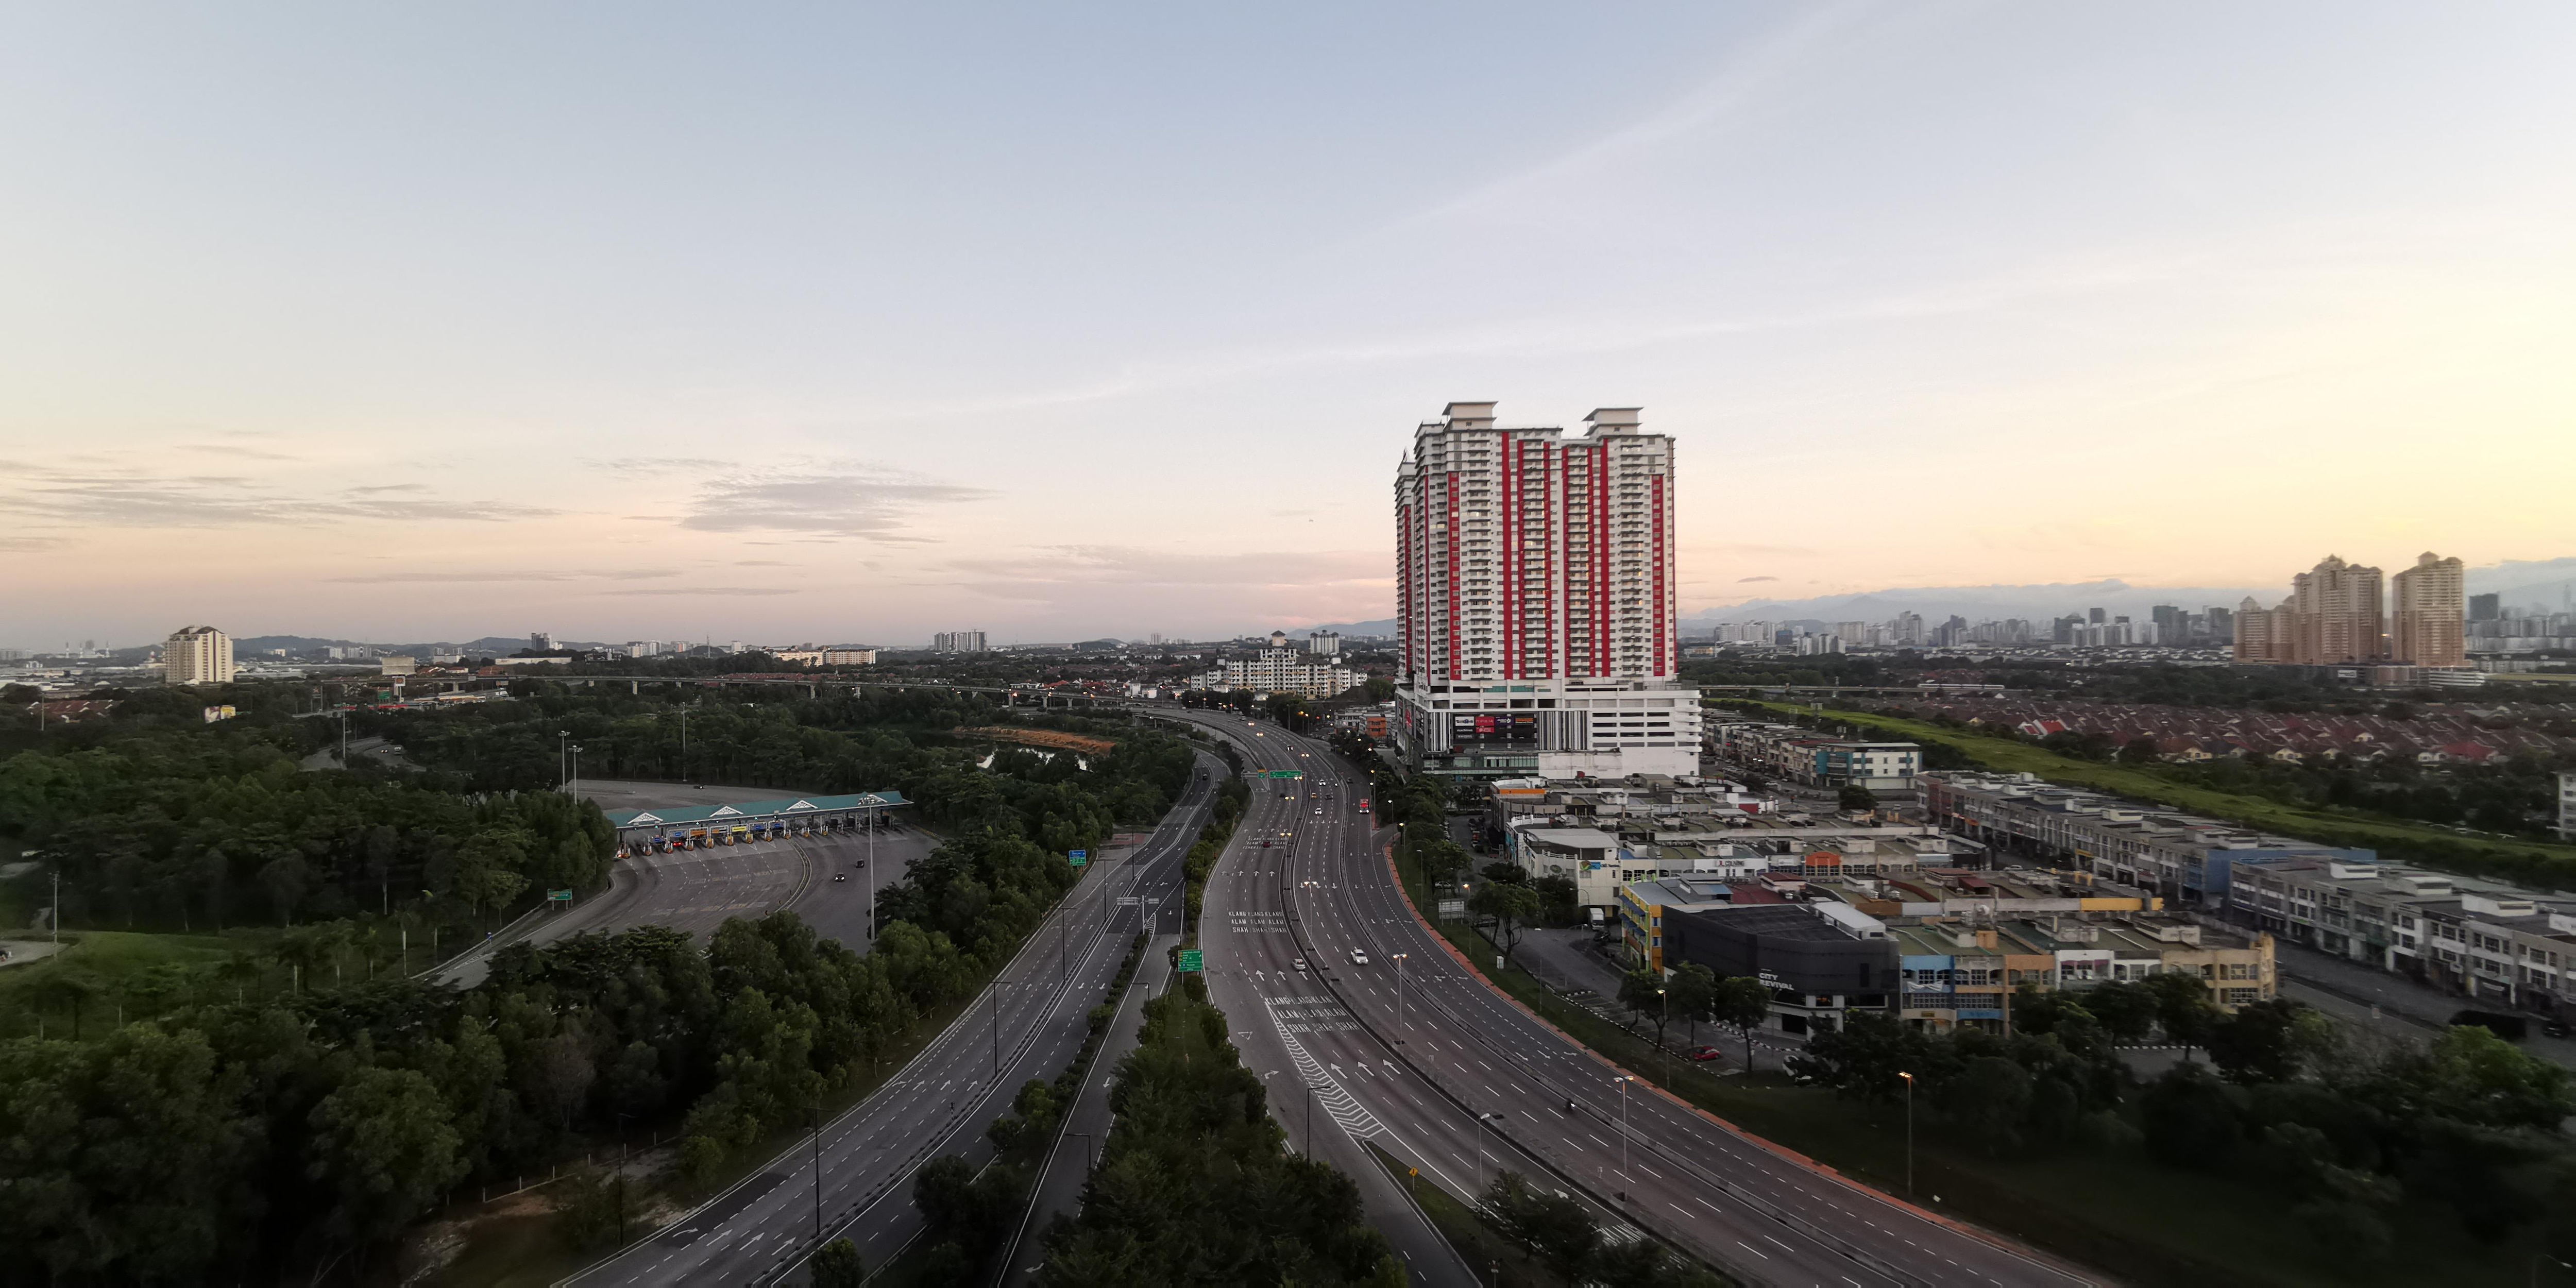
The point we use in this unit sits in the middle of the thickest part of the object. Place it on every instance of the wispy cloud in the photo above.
(1744, 579)
(484, 575)
(28, 545)
(139, 499)
(648, 466)
(838, 498)
(709, 590)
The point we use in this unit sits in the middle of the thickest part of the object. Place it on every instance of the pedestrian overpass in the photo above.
(701, 827)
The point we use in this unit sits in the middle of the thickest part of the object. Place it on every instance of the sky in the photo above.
(844, 324)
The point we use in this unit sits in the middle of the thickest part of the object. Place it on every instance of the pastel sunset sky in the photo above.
(802, 322)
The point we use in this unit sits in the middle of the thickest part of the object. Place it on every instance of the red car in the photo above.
(1702, 1054)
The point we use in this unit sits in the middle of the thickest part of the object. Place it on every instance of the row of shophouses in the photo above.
(1847, 913)
(2480, 938)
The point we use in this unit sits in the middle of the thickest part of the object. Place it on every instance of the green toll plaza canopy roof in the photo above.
(752, 811)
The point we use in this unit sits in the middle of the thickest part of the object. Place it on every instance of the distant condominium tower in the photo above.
(2427, 611)
(197, 655)
(1538, 599)
(957, 642)
(2337, 615)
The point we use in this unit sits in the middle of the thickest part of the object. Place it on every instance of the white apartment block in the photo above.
(1282, 670)
(1538, 600)
(957, 642)
(197, 655)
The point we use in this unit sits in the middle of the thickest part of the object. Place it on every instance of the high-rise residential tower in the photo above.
(1538, 602)
(197, 655)
(2427, 609)
(2338, 614)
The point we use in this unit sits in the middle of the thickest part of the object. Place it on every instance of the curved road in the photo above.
(1027, 1025)
(1453, 1077)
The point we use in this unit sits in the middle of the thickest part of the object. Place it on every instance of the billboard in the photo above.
(1493, 729)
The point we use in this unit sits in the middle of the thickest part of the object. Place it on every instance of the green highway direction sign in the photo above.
(1283, 773)
(559, 896)
(1079, 857)
(1190, 961)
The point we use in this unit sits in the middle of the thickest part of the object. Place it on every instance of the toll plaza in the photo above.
(702, 827)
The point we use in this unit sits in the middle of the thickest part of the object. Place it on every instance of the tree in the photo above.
(2191, 1120)
(1509, 904)
(1856, 797)
(837, 1265)
(1643, 992)
(2127, 1011)
(1742, 1002)
(1692, 989)
(2270, 1041)
(383, 1144)
(1555, 1229)
(2183, 1009)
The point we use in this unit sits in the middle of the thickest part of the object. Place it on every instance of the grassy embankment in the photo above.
(2113, 1208)
(2330, 826)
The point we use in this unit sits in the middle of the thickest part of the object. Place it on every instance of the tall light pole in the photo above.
(1623, 1080)
(1909, 1133)
(1400, 1021)
(871, 817)
(1667, 997)
(576, 771)
(563, 759)
(1481, 1120)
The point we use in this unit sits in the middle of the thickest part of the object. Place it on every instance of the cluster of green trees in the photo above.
(1557, 1231)
(1196, 1185)
(283, 1135)
(2468, 1123)
(1693, 994)
(2514, 795)
(834, 741)
(160, 825)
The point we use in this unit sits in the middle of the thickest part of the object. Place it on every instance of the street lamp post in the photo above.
(576, 771)
(1659, 1034)
(1909, 1133)
(1481, 1120)
(563, 759)
(1401, 1022)
(2537, 1258)
(1623, 1080)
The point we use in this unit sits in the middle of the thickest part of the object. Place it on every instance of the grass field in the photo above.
(2113, 1208)
(140, 973)
(2336, 826)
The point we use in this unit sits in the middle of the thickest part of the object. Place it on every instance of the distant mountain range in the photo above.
(488, 646)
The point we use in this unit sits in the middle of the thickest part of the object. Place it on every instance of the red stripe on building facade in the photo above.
(1511, 545)
(1452, 544)
(1659, 575)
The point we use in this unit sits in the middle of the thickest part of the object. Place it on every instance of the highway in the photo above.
(1028, 1024)
(1451, 1076)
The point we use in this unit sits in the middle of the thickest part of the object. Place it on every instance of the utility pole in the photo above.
(54, 916)
(818, 1165)
(563, 760)
(871, 818)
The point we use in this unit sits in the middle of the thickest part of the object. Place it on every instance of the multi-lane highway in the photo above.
(1335, 988)
(1029, 1024)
